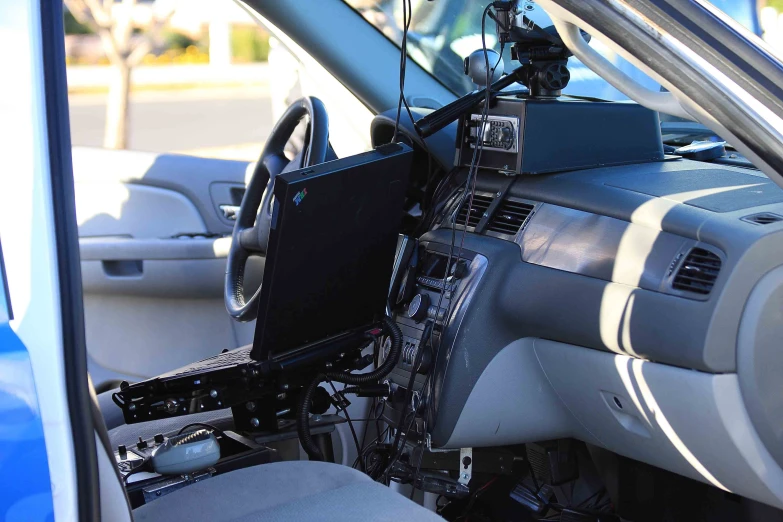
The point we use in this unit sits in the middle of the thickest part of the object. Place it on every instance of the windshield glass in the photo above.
(442, 33)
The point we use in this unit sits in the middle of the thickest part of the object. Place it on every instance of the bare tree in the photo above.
(114, 22)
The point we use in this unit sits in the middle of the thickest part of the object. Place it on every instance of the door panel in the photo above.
(153, 242)
(123, 209)
(141, 336)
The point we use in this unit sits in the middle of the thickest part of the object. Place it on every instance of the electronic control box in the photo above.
(540, 136)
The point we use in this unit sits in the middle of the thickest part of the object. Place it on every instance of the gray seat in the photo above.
(277, 492)
(286, 491)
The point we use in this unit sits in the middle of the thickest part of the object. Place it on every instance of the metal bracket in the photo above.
(466, 461)
(428, 445)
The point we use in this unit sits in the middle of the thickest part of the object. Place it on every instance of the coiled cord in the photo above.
(306, 400)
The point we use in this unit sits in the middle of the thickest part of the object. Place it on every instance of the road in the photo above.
(231, 123)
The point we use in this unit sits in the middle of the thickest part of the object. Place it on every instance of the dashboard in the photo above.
(637, 307)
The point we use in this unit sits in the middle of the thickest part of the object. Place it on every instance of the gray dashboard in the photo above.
(580, 310)
(631, 225)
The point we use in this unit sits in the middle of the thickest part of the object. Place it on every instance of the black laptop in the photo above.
(329, 260)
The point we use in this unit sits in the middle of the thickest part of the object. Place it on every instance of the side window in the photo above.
(444, 33)
(297, 74)
(193, 78)
(190, 78)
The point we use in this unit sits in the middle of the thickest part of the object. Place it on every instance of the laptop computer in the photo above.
(328, 265)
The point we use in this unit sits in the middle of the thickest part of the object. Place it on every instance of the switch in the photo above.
(142, 444)
(123, 451)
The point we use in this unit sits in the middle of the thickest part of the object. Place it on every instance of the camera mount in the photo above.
(540, 51)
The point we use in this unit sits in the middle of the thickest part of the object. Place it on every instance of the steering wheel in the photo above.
(251, 229)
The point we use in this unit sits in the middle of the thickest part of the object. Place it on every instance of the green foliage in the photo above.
(249, 44)
(175, 40)
(72, 25)
(777, 4)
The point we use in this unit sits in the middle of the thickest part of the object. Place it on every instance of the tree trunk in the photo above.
(116, 133)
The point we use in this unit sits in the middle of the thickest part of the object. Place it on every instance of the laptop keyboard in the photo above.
(238, 356)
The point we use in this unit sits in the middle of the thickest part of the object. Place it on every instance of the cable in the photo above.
(470, 182)
(406, 20)
(373, 407)
(470, 189)
(203, 425)
(350, 424)
(477, 151)
(306, 400)
(399, 437)
(388, 364)
(144, 466)
(475, 497)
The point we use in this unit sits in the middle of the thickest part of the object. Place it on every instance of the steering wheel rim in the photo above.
(251, 229)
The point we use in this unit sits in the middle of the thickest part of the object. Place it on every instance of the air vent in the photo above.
(698, 272)
(764, 218)
(510, 216)
(480, 205)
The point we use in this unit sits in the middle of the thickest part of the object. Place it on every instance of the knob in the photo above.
(170, 406)
(142, 444)
(159, 438)
(417, 309)
(123, 451)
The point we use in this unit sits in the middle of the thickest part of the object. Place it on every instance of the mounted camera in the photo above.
(541, 51)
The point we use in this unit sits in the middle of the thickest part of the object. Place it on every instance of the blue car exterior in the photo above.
(25, 493)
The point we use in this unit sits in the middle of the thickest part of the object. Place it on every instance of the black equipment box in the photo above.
(533, 136)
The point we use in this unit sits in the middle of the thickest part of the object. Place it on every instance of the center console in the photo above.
(431, 302)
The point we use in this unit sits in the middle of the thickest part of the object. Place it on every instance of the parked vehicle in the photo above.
(581, 319)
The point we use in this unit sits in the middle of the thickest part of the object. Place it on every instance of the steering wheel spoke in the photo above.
(274, 163)
(249, 240)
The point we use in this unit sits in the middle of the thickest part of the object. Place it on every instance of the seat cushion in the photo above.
(286, 492)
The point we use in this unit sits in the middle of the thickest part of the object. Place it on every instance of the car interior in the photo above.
(518, 304)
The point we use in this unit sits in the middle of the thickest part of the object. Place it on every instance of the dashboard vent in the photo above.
(764, 218)
(697, 274)
(481, 203)
(510, 216)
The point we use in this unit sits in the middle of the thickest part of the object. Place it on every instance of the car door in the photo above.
(154, 230)
(24, 479)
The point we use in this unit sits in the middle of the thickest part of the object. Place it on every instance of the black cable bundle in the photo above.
(467, 196)
(407, 15)
(306, 400)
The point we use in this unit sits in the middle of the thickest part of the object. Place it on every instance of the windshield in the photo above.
(443, 33)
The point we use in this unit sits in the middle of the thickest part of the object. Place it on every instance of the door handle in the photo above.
(230, 211)
(123, 268)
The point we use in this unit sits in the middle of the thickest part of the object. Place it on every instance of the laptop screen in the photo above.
(331, 248)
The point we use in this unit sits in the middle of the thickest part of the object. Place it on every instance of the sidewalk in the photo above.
(95, 78)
